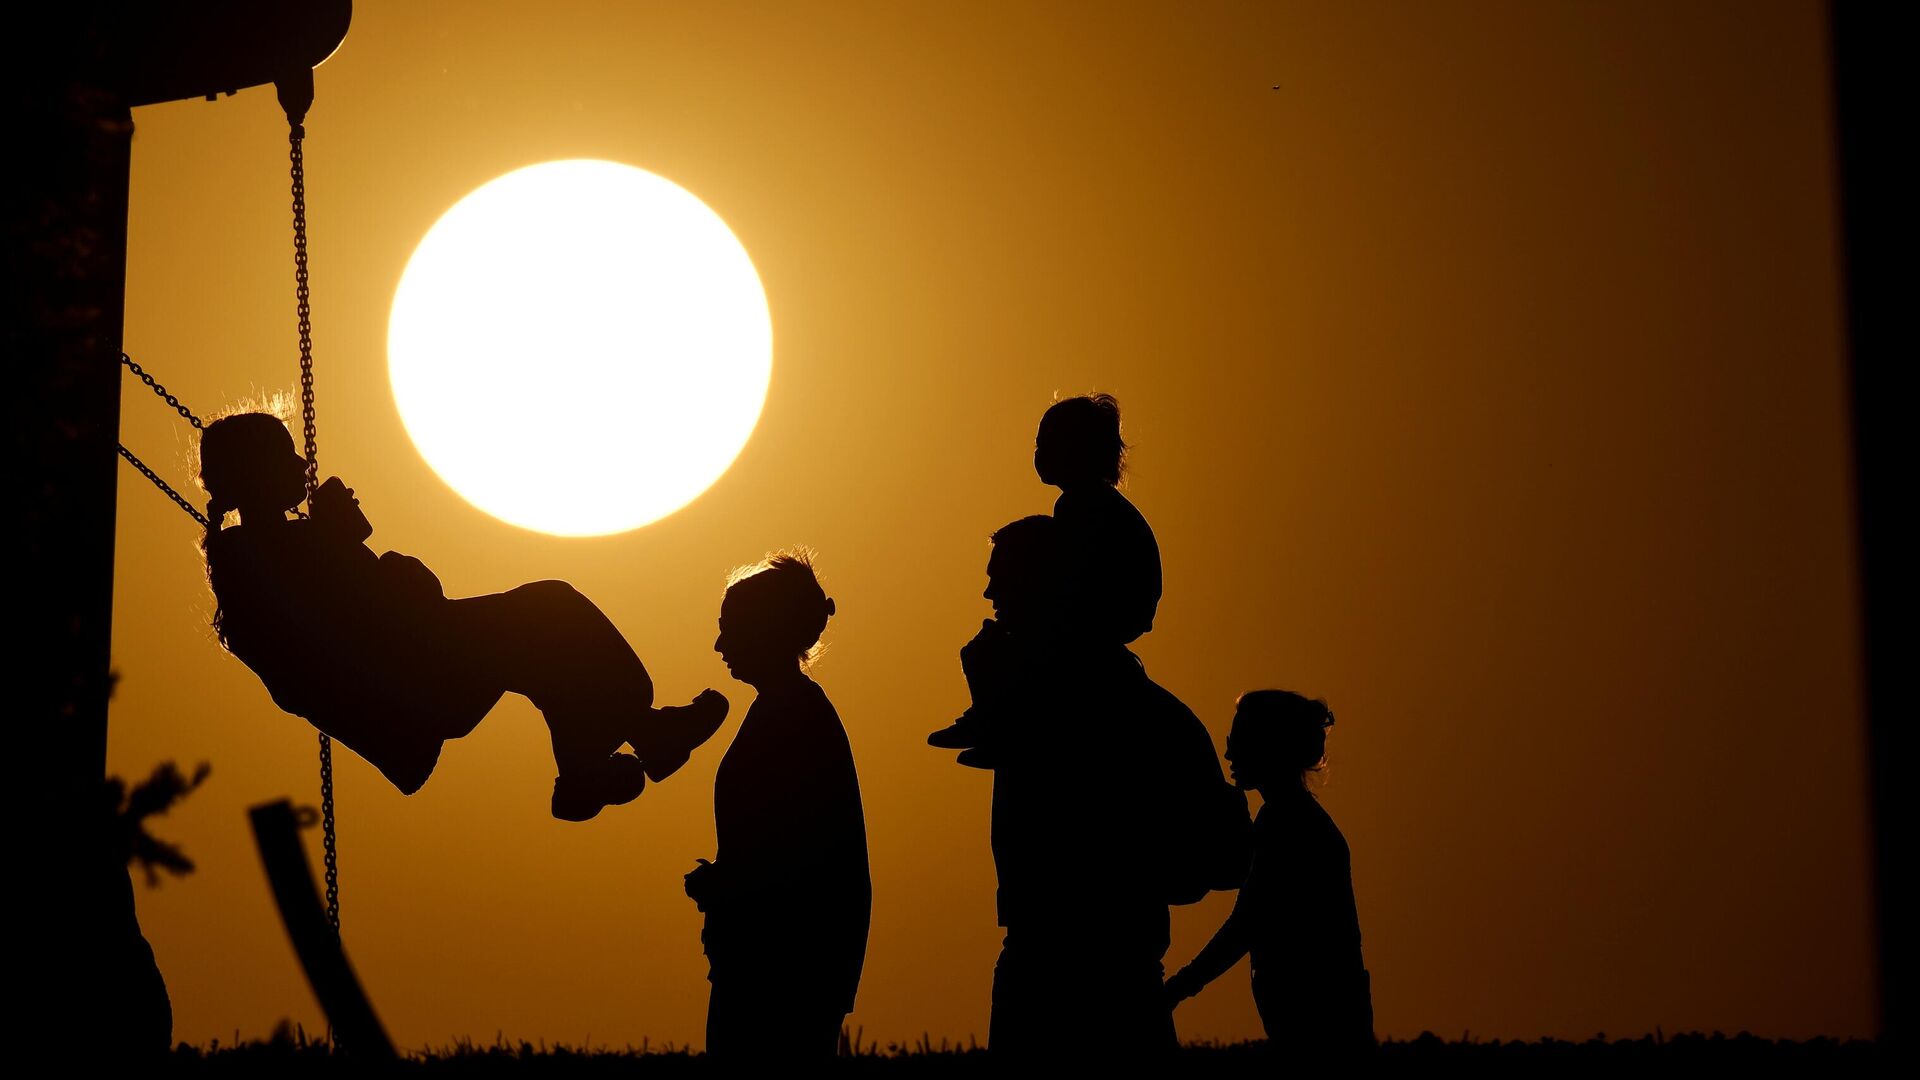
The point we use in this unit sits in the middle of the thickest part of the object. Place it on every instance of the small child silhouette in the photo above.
(1296, 912)
(370, 651)
(1110, 562)
(1115, 559)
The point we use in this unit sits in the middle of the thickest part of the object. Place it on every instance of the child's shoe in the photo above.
(672, 734)
(959, 735)
(978, 757)
(583, 793)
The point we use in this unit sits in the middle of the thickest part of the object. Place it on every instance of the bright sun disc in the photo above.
(580, 347)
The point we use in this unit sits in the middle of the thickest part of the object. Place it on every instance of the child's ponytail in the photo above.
(216, 515)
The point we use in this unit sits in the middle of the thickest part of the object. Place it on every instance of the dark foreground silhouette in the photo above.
(787, 896)
(1295, 914)
(369, 649)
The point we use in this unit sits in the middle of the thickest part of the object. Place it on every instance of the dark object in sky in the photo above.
(276, 829)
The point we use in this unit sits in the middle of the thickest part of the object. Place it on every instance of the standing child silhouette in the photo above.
(1296, 913)
(788, 897)
(370, 651)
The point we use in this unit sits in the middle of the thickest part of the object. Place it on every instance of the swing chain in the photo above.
(296, 137)
(163, 486)
(144, 470)
(154, 385)
(329, 845)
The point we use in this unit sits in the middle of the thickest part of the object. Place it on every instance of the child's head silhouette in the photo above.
(247, 462)
(772, 617)
(1278, 738)
(1079, 442)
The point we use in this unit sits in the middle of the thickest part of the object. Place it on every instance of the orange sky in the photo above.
(1485, 379)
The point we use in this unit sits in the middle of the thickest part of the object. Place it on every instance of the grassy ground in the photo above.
(290, 1054)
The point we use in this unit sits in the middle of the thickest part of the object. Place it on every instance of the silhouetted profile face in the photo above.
(1023, 572)
(247, 460)
(1079, 442)
(1278, 737)
(770, 620)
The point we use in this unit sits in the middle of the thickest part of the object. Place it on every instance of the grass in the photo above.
(291, 1053)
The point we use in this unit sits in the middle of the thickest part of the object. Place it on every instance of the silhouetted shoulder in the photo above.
(798, 720)
(1297, 823)
(1100, 507)
(789, 771)
(279, 566)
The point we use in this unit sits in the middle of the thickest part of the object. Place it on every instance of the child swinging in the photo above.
(370, 651)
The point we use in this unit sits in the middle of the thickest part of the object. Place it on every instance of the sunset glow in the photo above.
(580, 347)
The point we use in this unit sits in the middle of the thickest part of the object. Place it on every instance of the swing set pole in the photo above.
(89, 978)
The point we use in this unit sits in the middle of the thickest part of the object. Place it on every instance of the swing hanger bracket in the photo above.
(296, 97)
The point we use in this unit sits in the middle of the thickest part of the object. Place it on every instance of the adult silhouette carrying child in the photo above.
(1108, 805)
(369, 650)
(1108, 560)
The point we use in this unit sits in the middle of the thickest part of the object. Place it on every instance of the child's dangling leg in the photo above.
(553, 645)
(665, 737)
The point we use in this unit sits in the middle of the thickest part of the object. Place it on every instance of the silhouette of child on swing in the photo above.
(1113, 581)
(370, 651)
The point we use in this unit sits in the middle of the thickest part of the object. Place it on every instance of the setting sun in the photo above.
(580, 347)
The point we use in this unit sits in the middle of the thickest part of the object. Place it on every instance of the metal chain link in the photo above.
(296, 136)
(164, 487)
(155, 386)
(144, 470)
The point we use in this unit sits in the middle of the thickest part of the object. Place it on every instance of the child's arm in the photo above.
(1229, 944)
(336, 510)
(705, 885)
(409, 577)
(1234, 937)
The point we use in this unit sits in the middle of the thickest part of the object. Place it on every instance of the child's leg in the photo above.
(550, 643)
(547, 641)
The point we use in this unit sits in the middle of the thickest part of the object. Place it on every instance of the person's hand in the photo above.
(334, 507)
(332, 497)
(702, 884)
(976, 653)
(1181, 987)
(410, 577)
